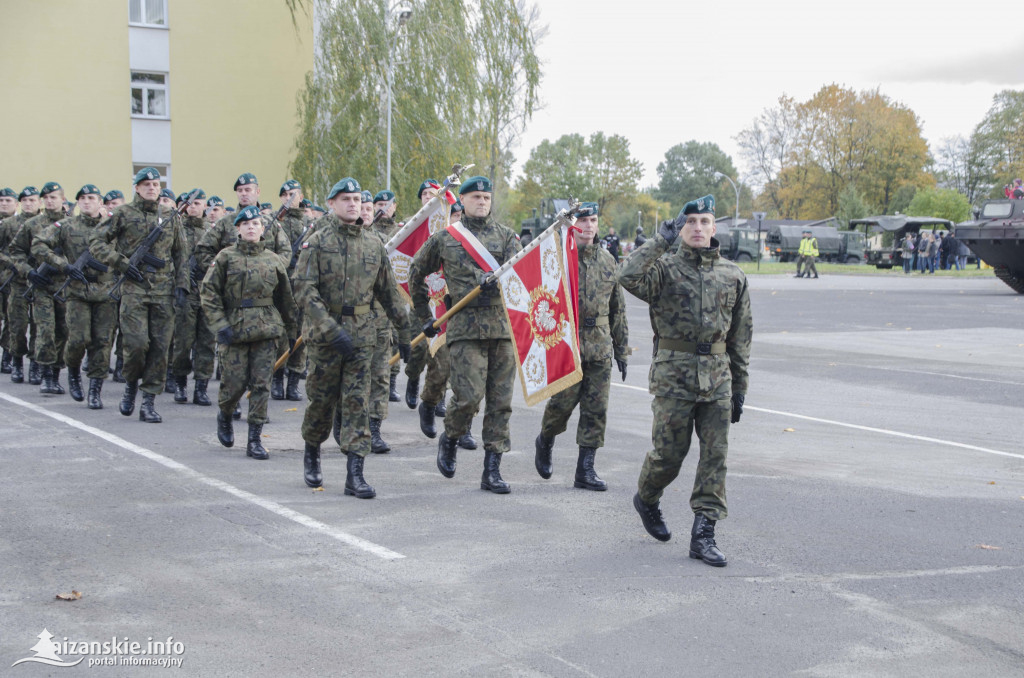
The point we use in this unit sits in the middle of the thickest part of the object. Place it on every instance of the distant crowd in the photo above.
(929, 251)
(1014, 191)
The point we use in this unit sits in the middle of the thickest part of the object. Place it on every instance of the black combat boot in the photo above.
(277, 385)
(75, 384)
(17, 370)
(542, 457)
(47, 381)
(292, 390)
(586, 476)
(255, 448)
(393, 390)
(199, 396)
(440, 409)
(180, 396)
(127, 405)
(355, 485)
(118, 376)
(169, 382)
(55, 380)
(491, 479)
(225, 430)
(147, 411)
(237, 414)
(35, 373)
(466, 440)
(5, 364)
(446, 450)
(95, 389)
(377, 444)
(702, 542)
(311, 466)
(651, 515)
(412, 393)
(426, 413)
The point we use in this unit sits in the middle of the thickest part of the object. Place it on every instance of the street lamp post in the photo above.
(403, 16)
(736, 218)
(760, 248)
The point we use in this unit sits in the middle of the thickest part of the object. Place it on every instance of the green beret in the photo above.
(457, 207)
(429, 183)
(321, 210)
(705, 205)
(167, 193)
(367, 196)
(306, 203)
(113, 195)
(88, 189)
(245, 179)
(8, 193)
(289, 185)
(50, 187)
(476, 184)
(384, 196)
(587, 209)
(266, 206)
(346, 185)
(215, 201)
(27, 191)
(197, 194)
(146, 174)
(247, 214)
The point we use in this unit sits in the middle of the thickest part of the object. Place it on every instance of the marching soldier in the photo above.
(167, 200)
(146, 310)
(18, 315)
(8, 208)
(481, 355)
(295, 225)
(248, 301)
(91, 313)
(342, 268)
(385, 204)
(194, 340)
(112, 199)
(604, 335)
(223, 233)
(700, 312)
(214, 209)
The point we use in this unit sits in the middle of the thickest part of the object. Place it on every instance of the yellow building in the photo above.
(202, 90)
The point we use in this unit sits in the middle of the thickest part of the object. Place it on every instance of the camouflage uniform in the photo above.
(482, 362)
(224, 234)
(18, 314)
(147, 309)
(194, 341)
(694, 296)
(387, 227)
(380, 370)
(247, 289)
(342, 268)
(47, 314)
(603, 332)
(294, 225)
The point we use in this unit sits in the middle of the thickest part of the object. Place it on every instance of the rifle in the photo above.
(298, 243)
(40, 277)
(85, 260)
(142, 254)
(193, 273)
(283, 208)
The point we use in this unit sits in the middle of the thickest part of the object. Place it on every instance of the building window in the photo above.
(164, 170)
(149, 95)
(148, 12)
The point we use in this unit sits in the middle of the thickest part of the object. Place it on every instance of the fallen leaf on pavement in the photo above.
(74, 595)
(788, 430)
(990, 548)
(292, 409)
(991, 482)
(318, 489)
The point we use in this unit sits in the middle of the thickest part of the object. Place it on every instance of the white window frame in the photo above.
(146, 86)
(163, 168)
(143, 6)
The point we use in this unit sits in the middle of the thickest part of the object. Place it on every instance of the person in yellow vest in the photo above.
(808, 253)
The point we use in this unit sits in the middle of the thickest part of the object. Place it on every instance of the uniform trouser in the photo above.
(90, 328)
(438, 371)
(247, 366)
(482, 369)
(672, 430)
(193, 343)
(5, 332)
(342, 384)
(808, 262)
(147, 324)
(380, 372)
(51, 328)
(297, 358)
(397, 367)
(17, 320)
(591, 394)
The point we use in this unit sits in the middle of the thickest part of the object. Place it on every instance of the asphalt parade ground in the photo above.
(876, 527)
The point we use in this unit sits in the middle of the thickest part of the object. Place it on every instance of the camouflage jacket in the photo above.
(387, 226)
(125, 230)
(484, 318)
(694, 296)
(21, 245)
(9, 228)
(293, 223)
(342, 268)
(63, 242)
(224, 234)
(247, 289)
(192, 230)
(604, 332)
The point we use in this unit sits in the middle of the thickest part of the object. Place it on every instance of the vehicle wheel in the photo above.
(852, 260)
(744, 257)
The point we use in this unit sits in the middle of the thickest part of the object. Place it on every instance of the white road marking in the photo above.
(869, 429)
(893, 574)
(268, 504)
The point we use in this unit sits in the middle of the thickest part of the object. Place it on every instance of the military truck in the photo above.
(737, 243)
(783, 241)
(541, 219)
(890, 255)
(997, 236)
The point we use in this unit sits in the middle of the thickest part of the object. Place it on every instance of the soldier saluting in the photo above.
(700, 312)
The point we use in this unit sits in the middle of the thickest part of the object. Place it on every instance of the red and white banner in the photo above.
(437, 289)
(404, 245)
(539, 302)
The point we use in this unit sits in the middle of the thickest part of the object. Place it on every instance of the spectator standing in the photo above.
(908, 251)
(611, 243)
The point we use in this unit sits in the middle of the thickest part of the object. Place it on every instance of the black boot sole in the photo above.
(496, 489)
(713, 563)
(364, 494)
(583, 485)
(312, 484)
(639, 509)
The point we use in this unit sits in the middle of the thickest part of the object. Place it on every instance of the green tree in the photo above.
(851, 205)
(942, 203)
(999, 139)
(688, 172)
(901, 201)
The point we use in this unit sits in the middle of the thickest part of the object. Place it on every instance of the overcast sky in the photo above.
(665, 72)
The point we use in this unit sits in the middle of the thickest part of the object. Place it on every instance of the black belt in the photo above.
(599, 321)
(250, 303)
(355, 310)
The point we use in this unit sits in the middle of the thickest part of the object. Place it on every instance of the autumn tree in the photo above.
(689, 171)
(941, 203)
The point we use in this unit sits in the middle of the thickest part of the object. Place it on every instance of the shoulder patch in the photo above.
(305, 245)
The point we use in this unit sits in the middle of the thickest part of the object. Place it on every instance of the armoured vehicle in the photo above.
(737, 243)
(890, 255)
(997, 236)
(844, 247)
(541, 219)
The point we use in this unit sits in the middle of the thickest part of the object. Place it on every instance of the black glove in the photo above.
(38, 279)
(737, 407)
(669, 230)
(488, 283)
(226, 335)
(134, 273)
(75, 274)
(405, 352)
(622, 367)
(180, 297)
(342, 343)
(193, 275)
(429, 330)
